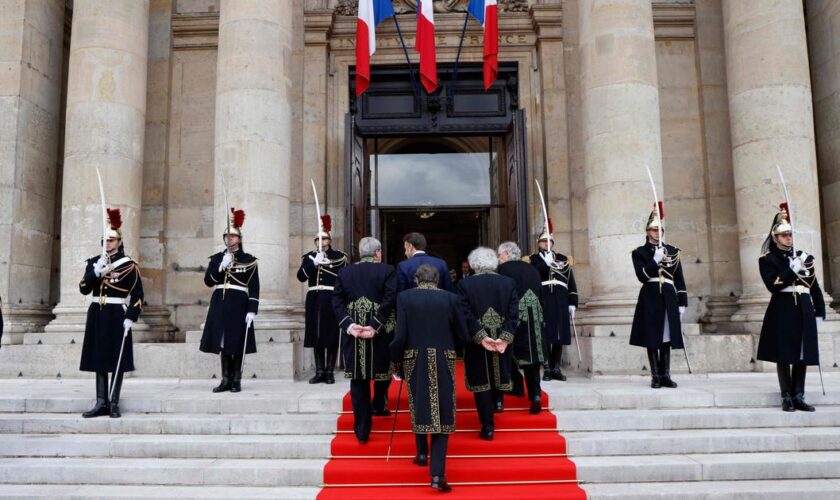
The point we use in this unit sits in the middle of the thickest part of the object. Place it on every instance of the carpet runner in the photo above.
(525, 460)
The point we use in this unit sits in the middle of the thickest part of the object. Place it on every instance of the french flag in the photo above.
(486, 13)
(371, 13)
(425, 44)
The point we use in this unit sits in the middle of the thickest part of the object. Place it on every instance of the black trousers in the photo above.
(362, 405)
(437, 459)
(484, 404)
(380, 394)
(532, 380)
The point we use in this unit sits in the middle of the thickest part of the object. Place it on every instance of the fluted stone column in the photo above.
(30, 94)
(253, 141)
(771, 123)
(105, 125)
(621, 135)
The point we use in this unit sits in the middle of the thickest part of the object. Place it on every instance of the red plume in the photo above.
(784, 208)
(550, 226)
(326, 222)
(115, 218)
(238, 217)
(661, 210)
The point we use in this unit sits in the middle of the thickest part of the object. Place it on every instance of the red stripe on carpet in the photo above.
(526, 448)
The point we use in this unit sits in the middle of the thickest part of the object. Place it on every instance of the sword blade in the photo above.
(656, 206)
(545, 213)
(318, 213)
(577, 341)
(227, 207)
(104, 211)
(790, 208)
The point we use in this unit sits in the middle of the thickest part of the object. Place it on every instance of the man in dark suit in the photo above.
(415, 252)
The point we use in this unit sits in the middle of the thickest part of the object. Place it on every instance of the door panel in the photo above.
(516, 146)
(355, 188)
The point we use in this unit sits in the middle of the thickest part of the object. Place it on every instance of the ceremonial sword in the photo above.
(548, 243)
(793, 249)
(318, 213)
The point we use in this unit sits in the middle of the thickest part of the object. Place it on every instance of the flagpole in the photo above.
(458, 55)
(407, 58)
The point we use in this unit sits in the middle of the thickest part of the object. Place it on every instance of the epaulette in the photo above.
(571, 260)
(526, 259)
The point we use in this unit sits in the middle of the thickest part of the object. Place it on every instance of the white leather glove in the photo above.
(548, 258)
(100, 266)
(659, 254)
(572, 310)
(682, 311)
(819, 321)
(249, 318)
(127, 324)
(795, 264)
(227, 261)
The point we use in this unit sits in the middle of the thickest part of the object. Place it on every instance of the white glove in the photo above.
(548, 257)
(659, 254)
(127, 324)
(227, 261)
(572, 310)
(100, 266)
(795, 264)
(249, 318)
(682, 311)
(819, 321)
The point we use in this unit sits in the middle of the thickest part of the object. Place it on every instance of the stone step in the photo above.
(157, 471)
(263, 336)
(174, 446)
(813, 489)
(691, 441)
(133, 423)
(712, 467)
(140, 492)
(695, 418)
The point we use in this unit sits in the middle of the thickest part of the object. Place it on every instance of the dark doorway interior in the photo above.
(450, 233)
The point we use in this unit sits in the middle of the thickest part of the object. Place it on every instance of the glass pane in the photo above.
(436, 179)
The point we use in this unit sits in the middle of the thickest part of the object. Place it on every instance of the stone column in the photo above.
(771, 123)
(253, 142)
(105, 126)
(824, 52)
(30, 93)
(621, 134)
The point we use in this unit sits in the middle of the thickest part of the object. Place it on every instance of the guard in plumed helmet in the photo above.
(796, 308)
(319, 269)
(662, 300)
(113, 280)
(559, 299)
(229, 328)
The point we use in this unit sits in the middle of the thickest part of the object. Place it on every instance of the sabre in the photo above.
(793, 243)
(104, 212)
(244, 346)
(396, 413)
(545, 213)
(318, 212)
(685, 351)
(656, 206)
(227, 208)
(119, 361)
(577, 342)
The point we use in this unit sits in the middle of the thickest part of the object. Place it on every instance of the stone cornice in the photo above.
(673, 21)
(195, 30)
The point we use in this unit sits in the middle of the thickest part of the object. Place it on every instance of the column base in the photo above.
(719, 311)
(68, 327)
(20, 319)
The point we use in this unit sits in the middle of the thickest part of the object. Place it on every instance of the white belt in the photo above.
(319, 287)
(231, 287)
(796, 289)
(108, 300)
(664, 280)
(555, 282)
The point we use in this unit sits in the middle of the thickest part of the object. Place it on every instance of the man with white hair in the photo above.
(493, 313)
(528, 345)
(363, 300)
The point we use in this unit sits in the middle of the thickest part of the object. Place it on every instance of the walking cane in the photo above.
(396, 414)
(119, 361)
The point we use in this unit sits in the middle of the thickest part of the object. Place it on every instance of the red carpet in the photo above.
(525, 460)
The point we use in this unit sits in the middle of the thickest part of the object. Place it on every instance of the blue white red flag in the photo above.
(486, 12)
(425, 44)
(371, 13)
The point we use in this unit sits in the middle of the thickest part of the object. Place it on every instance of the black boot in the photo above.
(115, 395)
(798, 378)
(546, 372)
(653, 359)
(329, 368)
(319, 355)
(439, 483)
(101, 407)
(224, 385)
(783, 371)
(236, 370)
(556, 355)
(665, 367)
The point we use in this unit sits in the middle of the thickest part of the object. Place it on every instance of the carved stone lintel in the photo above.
(514, 5)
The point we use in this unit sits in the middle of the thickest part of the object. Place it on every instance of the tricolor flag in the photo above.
(371, 13)
(486, 12)
(425, 44)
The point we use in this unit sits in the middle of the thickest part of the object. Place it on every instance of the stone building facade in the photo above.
(170, 97)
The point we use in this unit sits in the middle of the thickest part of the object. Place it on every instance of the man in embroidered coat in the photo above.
(559, 298)
(528, 345)
(363, 300)
(430, 322)
(319, 269)
(662, 301)
(229, 328)
(493, 315)
(114, 281)
(796, 308)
